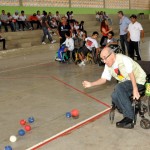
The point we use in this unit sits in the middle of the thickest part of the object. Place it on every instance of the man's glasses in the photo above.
(104, 59)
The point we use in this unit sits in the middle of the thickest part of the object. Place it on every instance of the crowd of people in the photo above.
(131, 30)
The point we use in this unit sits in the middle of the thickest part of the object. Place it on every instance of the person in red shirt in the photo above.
(104, 29)
(34, 20)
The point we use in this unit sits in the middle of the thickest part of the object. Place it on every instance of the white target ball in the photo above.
(13, 138)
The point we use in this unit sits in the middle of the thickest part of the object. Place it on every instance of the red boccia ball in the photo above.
(22, 122)
(27, 127)
(75, 113)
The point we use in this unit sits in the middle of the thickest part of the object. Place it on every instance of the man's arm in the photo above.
(87, 84)
(136, 94)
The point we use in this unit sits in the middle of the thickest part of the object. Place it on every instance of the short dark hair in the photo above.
(68, 33)
(133, 16)
(120, 12)
(95, 32)
(111, 32)
(44, 13)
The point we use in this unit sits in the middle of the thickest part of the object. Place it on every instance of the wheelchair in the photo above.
(75, 56)
(141, 106)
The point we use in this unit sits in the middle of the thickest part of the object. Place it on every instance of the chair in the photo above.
(139, 106)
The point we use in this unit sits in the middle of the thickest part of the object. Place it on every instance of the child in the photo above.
(67, 46)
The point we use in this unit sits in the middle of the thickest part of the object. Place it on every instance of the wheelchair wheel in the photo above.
(145, 123)
(94, 56)
(112, 115)
(75, 58)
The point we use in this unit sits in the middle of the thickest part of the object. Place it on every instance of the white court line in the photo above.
(67, 130)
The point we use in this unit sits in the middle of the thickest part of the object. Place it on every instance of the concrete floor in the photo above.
(32, 85)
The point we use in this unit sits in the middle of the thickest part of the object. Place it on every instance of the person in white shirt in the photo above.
(91, 43)
(15, 19)
(68, 46)
(135, 33)
(57, 17)
(131, 79)
(23, 21)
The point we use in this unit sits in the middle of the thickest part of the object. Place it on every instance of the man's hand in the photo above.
(86, 84)
(136, 94)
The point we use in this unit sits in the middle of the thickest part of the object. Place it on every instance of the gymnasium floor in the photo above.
(33, 86)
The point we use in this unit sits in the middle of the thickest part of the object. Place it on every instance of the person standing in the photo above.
(135, 33)
(63, 27)
(123, 25)
(4, 42)
(46, 28)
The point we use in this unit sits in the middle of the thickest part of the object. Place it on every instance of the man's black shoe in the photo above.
(125, 123)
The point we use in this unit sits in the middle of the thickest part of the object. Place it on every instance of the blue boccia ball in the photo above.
(68, 114)
(21, 132)
(8, 148)
(31, 119)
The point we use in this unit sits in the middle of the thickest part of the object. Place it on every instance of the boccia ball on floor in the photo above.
(13, 138)
(75, 113)
(8, 148)
(22, 122)
(21, 132)
(27, 128)
(68, 114)
(31, 119)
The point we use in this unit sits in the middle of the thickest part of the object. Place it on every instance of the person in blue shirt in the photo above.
(123, 26)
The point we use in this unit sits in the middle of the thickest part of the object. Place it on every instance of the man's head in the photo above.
(133, 18)
(3, 12)
(108, 56)
(44, 13)
(95, 35)
(64, 20)
(16, 12)
(110, 35)
(68, 34)
(120, 14)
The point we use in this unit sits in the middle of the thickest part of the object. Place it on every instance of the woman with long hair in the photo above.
(104, 29)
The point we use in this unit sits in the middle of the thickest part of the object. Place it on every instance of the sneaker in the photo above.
(125, 123)
(54, 41)
(43, 43)
(58, 59)
(82, 64)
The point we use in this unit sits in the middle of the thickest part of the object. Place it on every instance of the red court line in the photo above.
(81, 92)
(65, 132)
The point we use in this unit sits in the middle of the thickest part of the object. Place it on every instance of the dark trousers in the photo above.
(8, 24)
(123, 42)
(134, 48)
(4, 41)
(36, 22)
(121, 97)
(62, 40)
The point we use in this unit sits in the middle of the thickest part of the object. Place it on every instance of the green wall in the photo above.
(62, 10)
